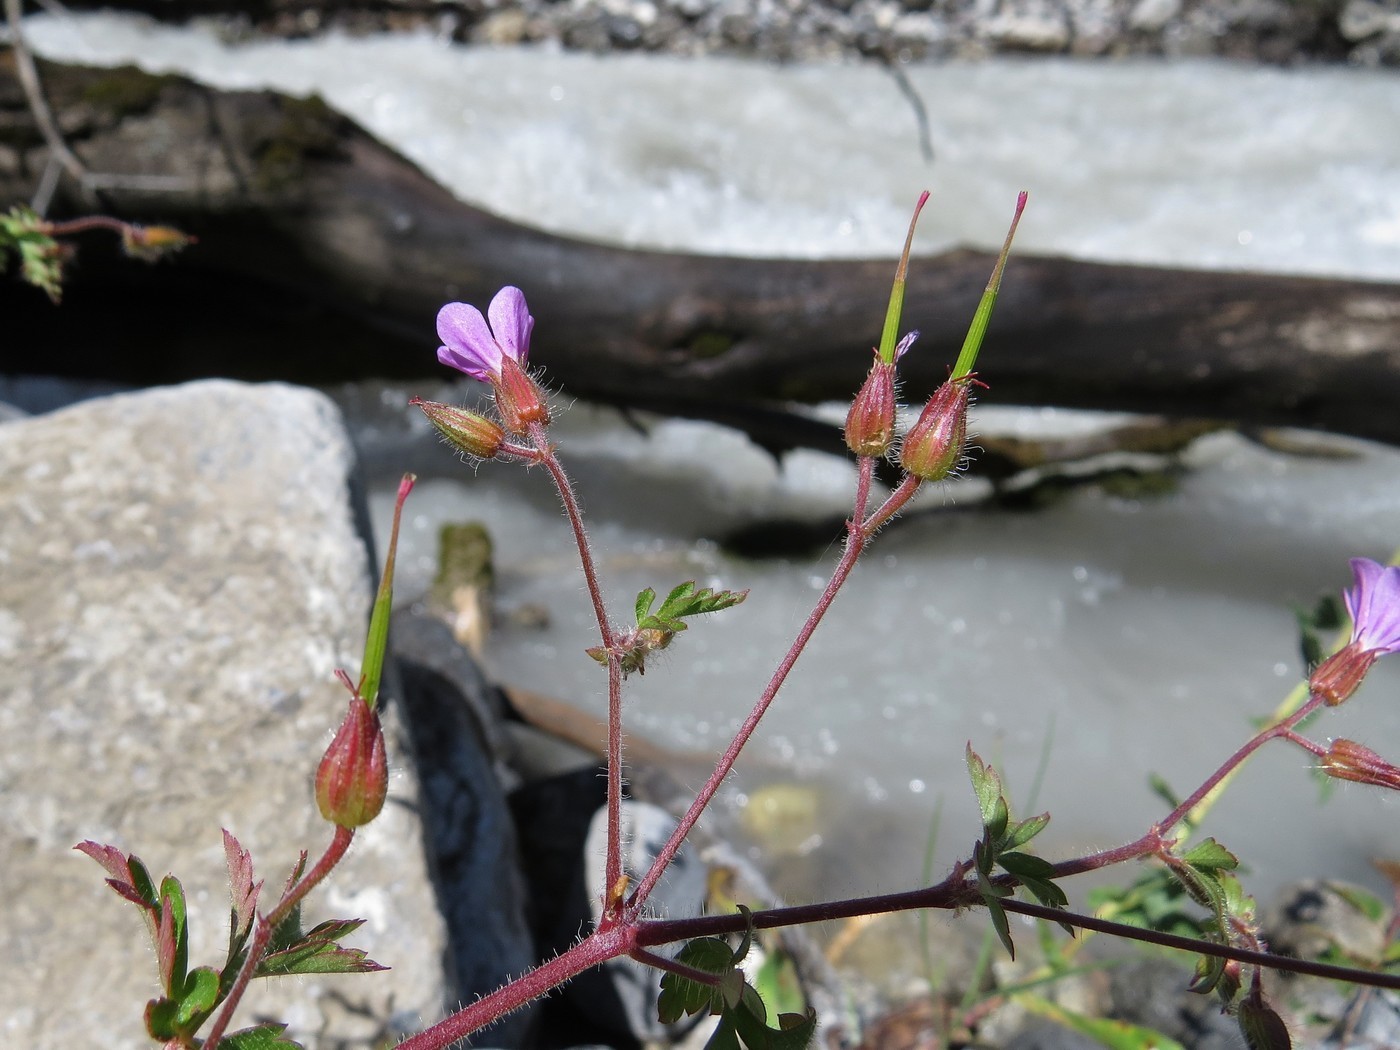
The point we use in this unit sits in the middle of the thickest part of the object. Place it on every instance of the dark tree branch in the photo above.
(323, 254)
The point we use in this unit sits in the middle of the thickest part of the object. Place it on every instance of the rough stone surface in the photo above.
(1279, 31)
(181, 570)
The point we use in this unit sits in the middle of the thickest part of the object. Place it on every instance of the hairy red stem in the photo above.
(594, 949)
(612, 868)
(267, 925)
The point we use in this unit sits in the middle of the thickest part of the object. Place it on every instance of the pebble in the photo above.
(1361, 32)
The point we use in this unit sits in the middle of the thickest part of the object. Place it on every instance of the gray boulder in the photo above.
(181, 571)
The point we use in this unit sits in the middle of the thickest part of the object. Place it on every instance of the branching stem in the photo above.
(857, 538)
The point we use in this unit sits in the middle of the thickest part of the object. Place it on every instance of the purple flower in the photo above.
(472, 347)
(1374, 604)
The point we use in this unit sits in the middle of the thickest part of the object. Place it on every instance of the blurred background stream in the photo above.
(1114, 632)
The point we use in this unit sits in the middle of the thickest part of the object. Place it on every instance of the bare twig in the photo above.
(916, 103)
(39, 106)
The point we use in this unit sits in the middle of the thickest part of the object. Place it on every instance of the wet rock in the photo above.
(561, 829)
(458, 745)
(1323, 918)
(1153, 993)
(1029, 25)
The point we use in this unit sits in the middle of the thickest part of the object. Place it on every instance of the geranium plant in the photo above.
(999, 874)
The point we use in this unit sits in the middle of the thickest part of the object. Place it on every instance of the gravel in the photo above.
(1362, 32)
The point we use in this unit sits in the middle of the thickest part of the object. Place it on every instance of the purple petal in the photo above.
(1374, 604)
(511, 322)
(467, 343)
(902, 347)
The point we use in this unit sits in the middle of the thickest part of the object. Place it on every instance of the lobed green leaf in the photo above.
(263, 1037)
(985, 784)
(174, 946)
(319, 952)
(1116, 1035)
(1210, 856)
(680, 996)
(1023, 831)
(1026, 864)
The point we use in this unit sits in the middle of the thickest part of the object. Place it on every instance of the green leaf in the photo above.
(1211, 976)
(1163, 790)
(1368, 904)
(680, 996)
(40, 255)
(1238, 904)
(1203, 886)
(1048, 894)
(1211, 856)
(174, 949)
(1117, 1035)
(779, 983)
(288, 932)
(197, 1000)
(161, 1019)
(982, 858)
(999, 923)
(142, 882)
(724, 1037)
(644, 602)
(1001, 816)
(986, 784)
(792, 1032)
(318, 952)
(1023, 831)
(1325, 617)
(684, 601)
(1026, 864)
(263, 1037)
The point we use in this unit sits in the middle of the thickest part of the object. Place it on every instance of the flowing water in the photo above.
(1107, 635)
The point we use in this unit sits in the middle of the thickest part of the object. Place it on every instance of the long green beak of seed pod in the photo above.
(372, 665)
(972, 345)
(889, 338)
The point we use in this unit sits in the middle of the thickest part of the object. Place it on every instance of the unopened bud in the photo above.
(466, 431)
(1342, 673)
(933, 448)
(519, 398)
(870, 422)
(1348, 760)
(353, 777)
(1261, 1025)
(151, 242)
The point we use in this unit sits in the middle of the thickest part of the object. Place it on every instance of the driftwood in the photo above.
(324, 255)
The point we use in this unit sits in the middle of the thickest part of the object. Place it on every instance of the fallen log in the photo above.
(323, 255)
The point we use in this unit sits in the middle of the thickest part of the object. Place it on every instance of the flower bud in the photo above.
(870, 422)
(1261, 1025)
(1348, 760)
(933, 448)
(519, 398)
(1337, 677)
(466, 431)
(353, 777)
(151, 242)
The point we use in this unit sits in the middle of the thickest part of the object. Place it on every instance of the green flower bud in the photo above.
(466, 431)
